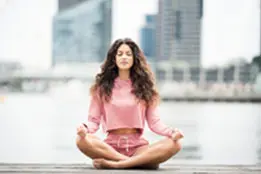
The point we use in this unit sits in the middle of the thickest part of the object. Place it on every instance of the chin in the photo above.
(124, 68)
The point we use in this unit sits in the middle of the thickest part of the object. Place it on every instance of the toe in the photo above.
(97, 163)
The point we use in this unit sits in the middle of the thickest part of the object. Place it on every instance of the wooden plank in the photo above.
(9, 168)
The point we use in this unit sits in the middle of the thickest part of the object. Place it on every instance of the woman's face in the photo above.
(124, 57)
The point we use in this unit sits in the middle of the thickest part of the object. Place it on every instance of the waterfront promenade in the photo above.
(215, 92)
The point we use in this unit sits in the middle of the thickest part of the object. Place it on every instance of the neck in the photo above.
(124, 75)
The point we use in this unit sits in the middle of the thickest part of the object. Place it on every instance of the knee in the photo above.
(177, 146)
(82, 143)
(79, 141)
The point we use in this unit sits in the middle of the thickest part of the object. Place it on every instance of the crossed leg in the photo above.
(148, 157)
(94, 148)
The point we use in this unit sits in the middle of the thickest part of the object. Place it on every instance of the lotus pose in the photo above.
(123, 98)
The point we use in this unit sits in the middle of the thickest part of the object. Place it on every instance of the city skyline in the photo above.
(230, 29)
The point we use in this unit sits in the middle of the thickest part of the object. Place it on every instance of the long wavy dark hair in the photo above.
(143, 81)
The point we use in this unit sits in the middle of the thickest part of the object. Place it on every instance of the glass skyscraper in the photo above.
(65, 4)
(82, 33)
(148, 37)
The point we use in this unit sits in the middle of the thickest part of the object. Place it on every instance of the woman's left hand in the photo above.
(177, 134)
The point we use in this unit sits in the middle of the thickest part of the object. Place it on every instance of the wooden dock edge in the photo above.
(84, 168)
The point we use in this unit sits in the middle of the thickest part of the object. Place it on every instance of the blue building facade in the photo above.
(65, 4)
(148, 37)
(82, 33)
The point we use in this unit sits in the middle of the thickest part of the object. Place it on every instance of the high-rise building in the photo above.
(260, 26)
(82, 33)
(179, 31)
(65, 4)
(148, 37)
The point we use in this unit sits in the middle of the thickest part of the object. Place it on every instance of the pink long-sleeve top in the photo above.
(123, 111)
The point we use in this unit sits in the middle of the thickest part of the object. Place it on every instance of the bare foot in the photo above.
(101, 163)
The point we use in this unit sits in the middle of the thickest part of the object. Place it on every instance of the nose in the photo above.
(124, 58)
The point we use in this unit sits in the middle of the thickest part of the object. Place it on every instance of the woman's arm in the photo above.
(155, 124)
(94, 115)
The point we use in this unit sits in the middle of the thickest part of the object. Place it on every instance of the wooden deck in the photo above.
(7, 168)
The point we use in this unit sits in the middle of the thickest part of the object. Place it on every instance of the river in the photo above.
(42, 128)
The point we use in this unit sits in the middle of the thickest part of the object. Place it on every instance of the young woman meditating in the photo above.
(123, 98)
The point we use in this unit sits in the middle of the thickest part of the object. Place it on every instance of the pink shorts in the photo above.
(126, 144)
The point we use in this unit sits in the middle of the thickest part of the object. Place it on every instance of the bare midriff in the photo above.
(124, 131)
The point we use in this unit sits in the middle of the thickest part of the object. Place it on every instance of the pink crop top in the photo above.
(123, 111)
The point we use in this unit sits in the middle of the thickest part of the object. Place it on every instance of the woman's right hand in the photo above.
(177, 134)
(82, 131)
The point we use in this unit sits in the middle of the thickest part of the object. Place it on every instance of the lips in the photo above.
(124, 62)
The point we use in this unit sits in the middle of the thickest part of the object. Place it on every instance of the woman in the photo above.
(123, 98)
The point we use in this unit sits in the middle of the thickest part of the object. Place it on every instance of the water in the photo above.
(42, 127)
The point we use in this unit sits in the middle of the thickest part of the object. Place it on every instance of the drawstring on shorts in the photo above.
(127, 141)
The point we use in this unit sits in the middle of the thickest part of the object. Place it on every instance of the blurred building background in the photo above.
(148, 37)
(82, 31)
(172, 39)
(179, 31)
(9, 67)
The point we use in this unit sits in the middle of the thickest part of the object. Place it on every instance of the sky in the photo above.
(231, 28)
